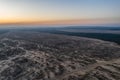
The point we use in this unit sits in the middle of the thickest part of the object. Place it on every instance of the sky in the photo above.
(59, 12)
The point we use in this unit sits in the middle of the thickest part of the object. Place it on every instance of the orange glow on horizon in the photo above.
(53, 22)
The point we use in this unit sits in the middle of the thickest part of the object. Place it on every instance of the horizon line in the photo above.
(61, 22)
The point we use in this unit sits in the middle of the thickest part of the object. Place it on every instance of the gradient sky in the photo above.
(60, 12)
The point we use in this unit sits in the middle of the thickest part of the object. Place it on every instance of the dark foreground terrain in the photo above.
(44, 56)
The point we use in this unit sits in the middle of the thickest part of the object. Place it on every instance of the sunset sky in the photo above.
(59, 12)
